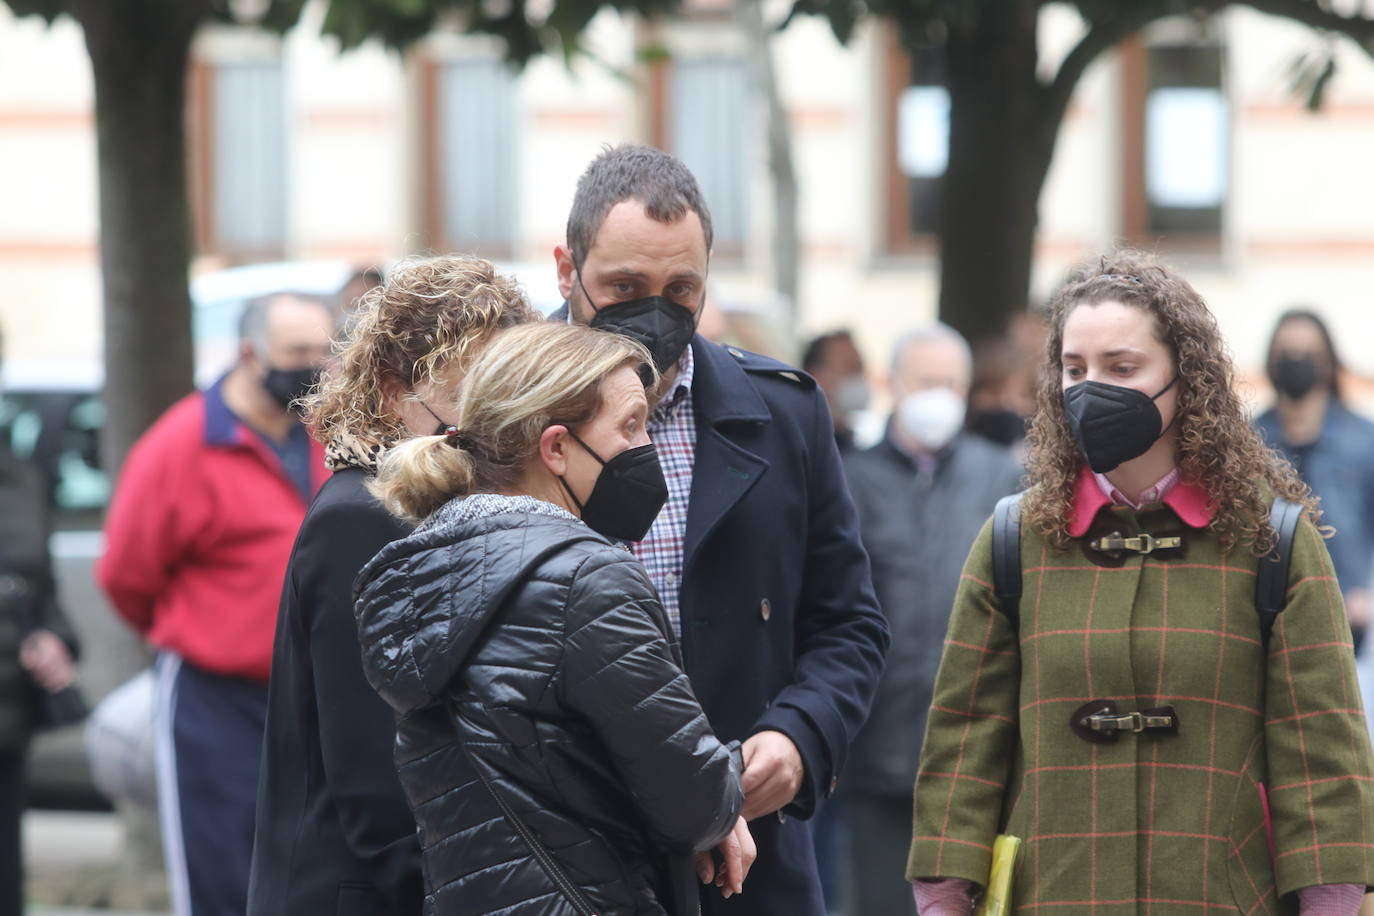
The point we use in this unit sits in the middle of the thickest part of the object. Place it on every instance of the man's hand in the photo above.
(772, 773)
(47, 660)
(737, 852)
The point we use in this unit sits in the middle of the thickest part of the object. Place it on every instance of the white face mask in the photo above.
(851, 395)
(932, 417)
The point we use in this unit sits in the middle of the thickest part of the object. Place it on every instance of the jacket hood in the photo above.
(424, 601)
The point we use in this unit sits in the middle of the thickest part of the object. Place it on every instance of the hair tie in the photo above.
(1125, 278)
(456, 438)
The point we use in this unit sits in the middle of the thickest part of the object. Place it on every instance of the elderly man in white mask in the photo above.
(922, 493)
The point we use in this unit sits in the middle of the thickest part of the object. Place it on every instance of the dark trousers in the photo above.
(879, 841)
(11, 812)
(210, 730)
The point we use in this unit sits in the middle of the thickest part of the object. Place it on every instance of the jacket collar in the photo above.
(890, 447)
(1336, 418)
(721, 391)
(1189, 501)
(223, 429)
(723, 399)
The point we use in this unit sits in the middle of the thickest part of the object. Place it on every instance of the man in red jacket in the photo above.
(197, 540)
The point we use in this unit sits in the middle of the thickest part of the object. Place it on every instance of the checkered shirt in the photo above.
(672, 427)
(1149, 495)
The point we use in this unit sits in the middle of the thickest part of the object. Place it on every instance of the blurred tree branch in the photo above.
(1359, 29)
(1106, 29)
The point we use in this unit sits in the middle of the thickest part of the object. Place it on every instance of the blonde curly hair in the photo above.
(1217, 445)
(430, 316)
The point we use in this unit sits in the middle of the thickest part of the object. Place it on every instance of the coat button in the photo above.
(765, 609)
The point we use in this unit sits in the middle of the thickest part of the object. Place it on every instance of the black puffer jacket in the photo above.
(508, 635)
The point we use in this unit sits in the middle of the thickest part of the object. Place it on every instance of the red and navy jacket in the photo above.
(198, 535)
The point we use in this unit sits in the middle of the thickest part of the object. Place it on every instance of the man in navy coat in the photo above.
(756, 554)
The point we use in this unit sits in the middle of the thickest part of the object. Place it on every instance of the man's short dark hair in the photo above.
(656, 179)
(814, 354)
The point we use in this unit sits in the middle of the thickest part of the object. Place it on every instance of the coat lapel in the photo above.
(724, 399)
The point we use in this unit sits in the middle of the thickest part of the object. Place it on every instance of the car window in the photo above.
(59, 431)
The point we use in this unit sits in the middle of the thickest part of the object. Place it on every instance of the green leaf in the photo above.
(1317, 93)
(656, 53)
(48, 9)
(1310, 74)
(282, 15)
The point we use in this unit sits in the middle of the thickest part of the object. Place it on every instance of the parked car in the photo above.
(53, 419)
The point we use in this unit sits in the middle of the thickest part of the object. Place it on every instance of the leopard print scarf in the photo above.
(345, 451)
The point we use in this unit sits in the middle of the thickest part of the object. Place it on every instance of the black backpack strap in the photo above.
(1271, 584)
(1006, 556)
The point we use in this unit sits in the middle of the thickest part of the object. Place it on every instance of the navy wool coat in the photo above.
(780, 626)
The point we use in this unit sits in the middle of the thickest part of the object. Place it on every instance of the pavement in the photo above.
(77, 842)
(70, 839)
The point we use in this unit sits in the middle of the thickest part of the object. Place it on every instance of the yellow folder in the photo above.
(996, 899)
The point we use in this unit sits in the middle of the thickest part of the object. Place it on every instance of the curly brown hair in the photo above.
(429, 316)
(1217, 446)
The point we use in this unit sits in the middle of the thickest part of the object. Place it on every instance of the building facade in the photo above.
(1188, 139)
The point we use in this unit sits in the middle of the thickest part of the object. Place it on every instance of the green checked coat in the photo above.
(1152, 823)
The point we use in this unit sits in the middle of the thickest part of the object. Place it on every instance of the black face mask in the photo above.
(288, 385)
(1113, 424)
(628, 494)
(1005, 427)
(660, 324)
(1294, 376)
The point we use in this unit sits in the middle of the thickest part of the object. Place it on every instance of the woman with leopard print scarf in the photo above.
(333, 831)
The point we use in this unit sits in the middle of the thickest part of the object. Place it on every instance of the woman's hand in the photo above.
(47, 660)
(738, 853)
(943, 896)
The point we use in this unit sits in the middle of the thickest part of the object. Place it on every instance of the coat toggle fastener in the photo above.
(1101, 723)
(1143, 543)
(1130, 722)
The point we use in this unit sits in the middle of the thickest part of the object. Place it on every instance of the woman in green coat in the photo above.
(1245, 786)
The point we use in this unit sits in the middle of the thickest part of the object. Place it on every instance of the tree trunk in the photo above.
(997, 165)
(139, 54)
(786, 244)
